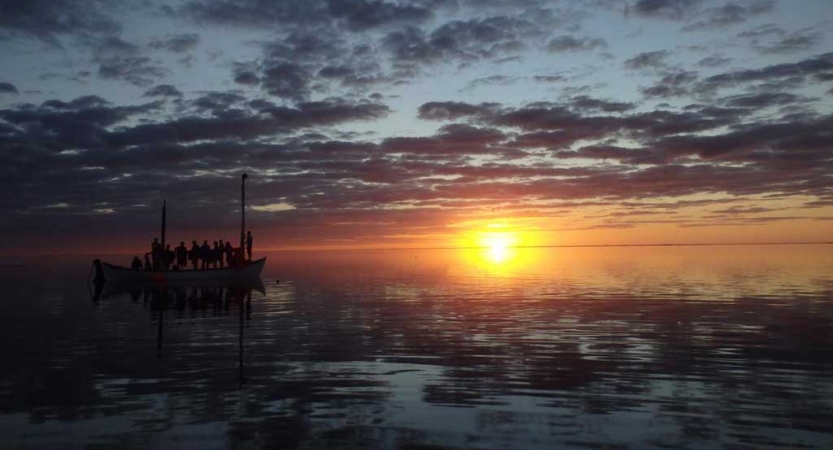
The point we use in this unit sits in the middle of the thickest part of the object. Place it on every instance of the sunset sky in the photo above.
(427, 123)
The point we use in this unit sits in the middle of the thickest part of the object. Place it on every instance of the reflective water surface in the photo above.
(594, 348)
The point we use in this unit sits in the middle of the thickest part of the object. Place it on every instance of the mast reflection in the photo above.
(194, 302)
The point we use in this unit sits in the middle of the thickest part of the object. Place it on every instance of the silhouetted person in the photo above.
(136, 264)
(229, 250)
(219, 252)
(205, 254)
(156, 254)
(181, 256)
(215, 253)
(148, 266)
(249, 244)
(194, 254)
(168, 257)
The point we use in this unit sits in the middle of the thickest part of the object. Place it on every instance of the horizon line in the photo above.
(706, 244)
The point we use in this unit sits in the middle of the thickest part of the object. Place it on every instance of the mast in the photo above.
(164, 207)
(243, 210)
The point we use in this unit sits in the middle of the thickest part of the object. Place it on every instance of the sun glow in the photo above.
(497, 242)
(494, 247)
(498, 245)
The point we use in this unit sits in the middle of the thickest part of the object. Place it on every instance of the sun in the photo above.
(496, 249)
(498, 244)
(494, 243)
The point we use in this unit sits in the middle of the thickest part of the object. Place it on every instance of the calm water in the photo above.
(598, 348)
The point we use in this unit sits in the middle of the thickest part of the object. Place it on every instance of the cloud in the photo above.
(286, 80)
(714, 61)
(586, 103)
(569, 125)
(666, 9)
(327, 46)
(7, 88)
(604, 152)
(462, 41)
(47, 20)
(327, 113)
(550, 139)
(110, 45)
(674, 84)
(137, 70)
(178, 43)
(42, 136)
(246, 77)
(163, 90)
(762, 31)
(734, 210)
(772, 39)
(549, 78)
(55, 125)
(647, 60)
(254, 13)
(246, 73)
(361, 15)
(702, 15)
(764, 100)
(798, 143)
(269, 121)
(219, 103)
(359, 75)
(355, 15)
(731, 13)
(790, 43)
(452, 139)
(816, 66)
(492, 80)
(569, 43)
(453, 110)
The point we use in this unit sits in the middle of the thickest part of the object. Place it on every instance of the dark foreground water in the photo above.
(605, 348)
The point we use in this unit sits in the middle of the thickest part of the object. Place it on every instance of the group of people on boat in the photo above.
(201, 257)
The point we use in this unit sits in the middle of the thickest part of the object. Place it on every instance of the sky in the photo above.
(418, 123)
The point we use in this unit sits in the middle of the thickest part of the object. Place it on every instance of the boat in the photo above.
(245, 272)
(250, 272)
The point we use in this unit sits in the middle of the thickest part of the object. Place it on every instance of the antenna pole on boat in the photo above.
(164, 207)
(243, 210)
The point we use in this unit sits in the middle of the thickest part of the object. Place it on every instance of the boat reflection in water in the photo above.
(207, 300)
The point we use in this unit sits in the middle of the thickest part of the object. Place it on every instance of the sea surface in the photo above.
(713, 347)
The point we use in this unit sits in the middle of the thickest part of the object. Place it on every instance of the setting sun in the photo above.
(497, 241)
(498, 251)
